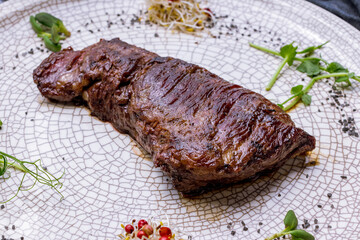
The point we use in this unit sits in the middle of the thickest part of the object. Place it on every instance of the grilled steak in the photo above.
(203, 131)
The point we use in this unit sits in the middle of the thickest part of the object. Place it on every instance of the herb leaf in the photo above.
(310, 67)
(288, 52)
(310, 50)
(50, 29)
(49, 21)
(290, 220)
(55, 47)
(1, 123)
(296, 90)
(344, 79)
(55, 38)
(4, 165)
(35, 26)
(336, 67)
(291, 223)
(306, 99)
(301, 234)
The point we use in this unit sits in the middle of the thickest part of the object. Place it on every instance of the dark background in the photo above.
(349, 10)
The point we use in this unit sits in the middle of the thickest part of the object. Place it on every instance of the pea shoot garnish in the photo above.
(288, 52)
(291, 224)
(50, 29)
(316, 68)
(34, 169)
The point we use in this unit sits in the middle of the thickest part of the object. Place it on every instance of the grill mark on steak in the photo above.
(173, 80)
(203, 131)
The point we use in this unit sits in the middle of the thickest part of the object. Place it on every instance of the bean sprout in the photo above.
(183, 15)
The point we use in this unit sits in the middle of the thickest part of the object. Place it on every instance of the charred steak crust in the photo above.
(203, 131)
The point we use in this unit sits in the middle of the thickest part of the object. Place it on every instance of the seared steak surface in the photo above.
(203, 131)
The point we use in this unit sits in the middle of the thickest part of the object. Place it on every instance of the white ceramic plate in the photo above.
(108, 181)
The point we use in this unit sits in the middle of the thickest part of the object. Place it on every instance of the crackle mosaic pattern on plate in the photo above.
(109, 181)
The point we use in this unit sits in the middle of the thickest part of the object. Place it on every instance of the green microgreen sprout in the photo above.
(291, 224)
(35, 25)
(50, 29)
(34, 169)
(310, 50)
(49, 20)
(50, 44)
(316, 68)
(288, 52)
(310, 67)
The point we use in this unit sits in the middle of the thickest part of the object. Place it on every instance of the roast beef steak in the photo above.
(203, 131)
